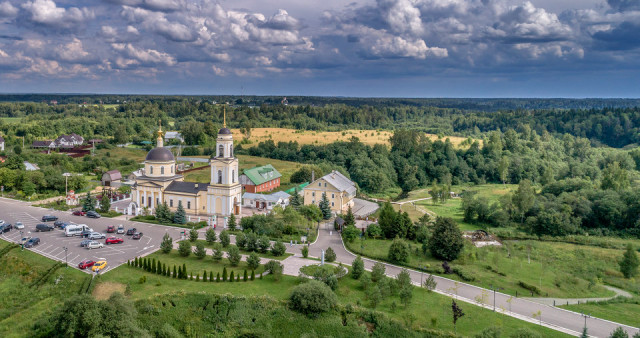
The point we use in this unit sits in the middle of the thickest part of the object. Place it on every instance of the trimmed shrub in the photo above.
(312, 298)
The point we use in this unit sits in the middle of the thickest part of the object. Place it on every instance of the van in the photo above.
(75, 229)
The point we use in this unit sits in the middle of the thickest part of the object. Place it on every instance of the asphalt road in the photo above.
(553, 317)
(52, 243)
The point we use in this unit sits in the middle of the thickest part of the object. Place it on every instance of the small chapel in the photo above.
(161, 183)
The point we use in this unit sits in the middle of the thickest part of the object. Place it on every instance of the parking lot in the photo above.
(53, 243)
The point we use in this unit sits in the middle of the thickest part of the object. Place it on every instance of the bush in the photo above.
(263, 244)
(350, 233)
(217, 254)
(357, 268)
(529, 287)
(210, 235)
(399, 251)
(184, 248)
(377, 272)
(225, 239)
(524, 333)
(446, 243)
(234, 256)
(274, 268)
(305, 251)
(193, 234)
(312, 298)
(241, 241)
(167, 243)
(278, 249)
(253, 261)
(374, 231)
(463, 274)
(330, 255)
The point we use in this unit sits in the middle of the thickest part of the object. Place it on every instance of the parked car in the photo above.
(137, 235)
(85, 242)
(65, 225)
(85, 233)
(58, 223)
(5, 227)
(78, 213)
(131, 231)
(111, 229)
(19, 225)
(30, 243)
(25, 239)
(93, 214)
(49, 218)
(43, 227)
(96, 235)
(99, 265)
(2, 221)
(86, 264)
(113, 240)
(94, 245)
(120, 229)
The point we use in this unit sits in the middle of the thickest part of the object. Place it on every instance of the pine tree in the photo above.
(210, 276)
(349, 219)
(167, 243)
(180, 216)
(244, 279)
(135, 262)
(629, 263)
(204, 276)
(231, 276)
(184, 270)
(197, 277)
(175, 273)
(224, 274)
(105, 202)
(325, 207)
(232, 222)
(218, 278)
(253, 275)
(295, 200)
(89, 203)
(179, 276)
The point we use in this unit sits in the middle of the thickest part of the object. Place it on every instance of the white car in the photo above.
(96, 235)
(120, 229)
(94, 245)
(2, 222)
(18, 225)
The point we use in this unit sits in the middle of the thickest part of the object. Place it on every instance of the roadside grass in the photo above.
(427, 309)
(244, 252)
(625, 312)
(198, 266)
(559, 270)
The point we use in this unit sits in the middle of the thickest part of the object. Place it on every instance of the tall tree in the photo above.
(167, 243)
(387, 220)
(296, 199)
(446, 242)
(180, 216)
(325, 207)
(89, 203)
(232, 222)
(629, 263)
(105, 202)
(523, 198)
(349, 219)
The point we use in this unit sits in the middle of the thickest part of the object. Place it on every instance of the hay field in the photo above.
(370, 137)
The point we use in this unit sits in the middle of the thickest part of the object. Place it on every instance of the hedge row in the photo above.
(154, 266)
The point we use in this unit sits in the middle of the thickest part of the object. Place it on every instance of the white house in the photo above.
(261, 201)
(171, 135)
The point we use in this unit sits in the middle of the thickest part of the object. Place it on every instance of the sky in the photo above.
(370, 48)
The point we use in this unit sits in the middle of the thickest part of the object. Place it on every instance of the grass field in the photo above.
(556, 269)
(625, 313)
(285, 168)
(427, 310)
(137, 155)
(370, 137)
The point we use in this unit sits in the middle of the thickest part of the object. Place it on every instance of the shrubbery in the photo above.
(312, 298)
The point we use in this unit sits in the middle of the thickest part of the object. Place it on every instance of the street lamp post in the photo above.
(21, 243)
(585, 316)
(66, 177)
(494, 296)
(65, 256)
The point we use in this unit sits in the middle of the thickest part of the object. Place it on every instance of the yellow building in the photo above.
(160, 183)
(339, 189)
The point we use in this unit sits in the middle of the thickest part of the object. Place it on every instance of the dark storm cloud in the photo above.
(623, 37)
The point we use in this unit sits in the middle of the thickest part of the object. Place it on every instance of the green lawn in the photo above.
(245, 252)
(625, 313)
(427, 309)
(556, 269)
(285, 168)
(197, 266)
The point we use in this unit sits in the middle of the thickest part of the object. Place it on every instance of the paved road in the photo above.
(571, 301)
(556, 318)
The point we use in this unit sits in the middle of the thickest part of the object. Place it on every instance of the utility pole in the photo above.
(65, 257)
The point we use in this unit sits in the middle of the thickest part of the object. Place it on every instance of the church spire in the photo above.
(159, 141)
(224, 118)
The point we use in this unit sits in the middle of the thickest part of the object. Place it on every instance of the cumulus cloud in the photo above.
(47, 13)
(155, 5)
(7, 9)
(145, 57)
(526, 23)
(624, 5)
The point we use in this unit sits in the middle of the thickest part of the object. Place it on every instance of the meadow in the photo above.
(369, 137)
(621, 310)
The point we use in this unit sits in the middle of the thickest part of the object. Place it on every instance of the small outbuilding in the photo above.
(110, 177)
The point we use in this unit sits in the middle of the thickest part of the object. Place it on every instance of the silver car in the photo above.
(19, 225)
(94, 245)
(96, 235)
(120, 229)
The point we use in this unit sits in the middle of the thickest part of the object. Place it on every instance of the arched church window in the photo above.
(220, 151)
(219, 176)
(150, 169)
(161, 170)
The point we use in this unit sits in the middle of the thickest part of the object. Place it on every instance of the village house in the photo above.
(264, 201)
(260, 179)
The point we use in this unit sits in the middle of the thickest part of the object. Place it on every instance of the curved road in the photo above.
(559, 319)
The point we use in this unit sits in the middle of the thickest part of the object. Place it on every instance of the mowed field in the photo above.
(322, 137)
(285, 168)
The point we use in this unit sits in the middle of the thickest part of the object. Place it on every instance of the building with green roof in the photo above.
(260, 179)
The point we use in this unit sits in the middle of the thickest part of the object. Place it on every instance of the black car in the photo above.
(85, 233)
(43, 227)
(85, 242)
(49, 218)
(58, 224)
(93, 214)
(6, 227)
(131, 231)
(137, 235)
(30, 243)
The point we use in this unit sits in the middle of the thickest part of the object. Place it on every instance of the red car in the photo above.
(79, 213)
(113, 240)
(86, 264)
(111, 228)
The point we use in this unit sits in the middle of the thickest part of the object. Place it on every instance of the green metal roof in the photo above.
(259, 175)
(300, 187)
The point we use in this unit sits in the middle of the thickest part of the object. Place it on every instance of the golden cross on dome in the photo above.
(160, 129)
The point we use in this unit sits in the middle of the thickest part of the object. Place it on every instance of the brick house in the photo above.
(260, 179)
